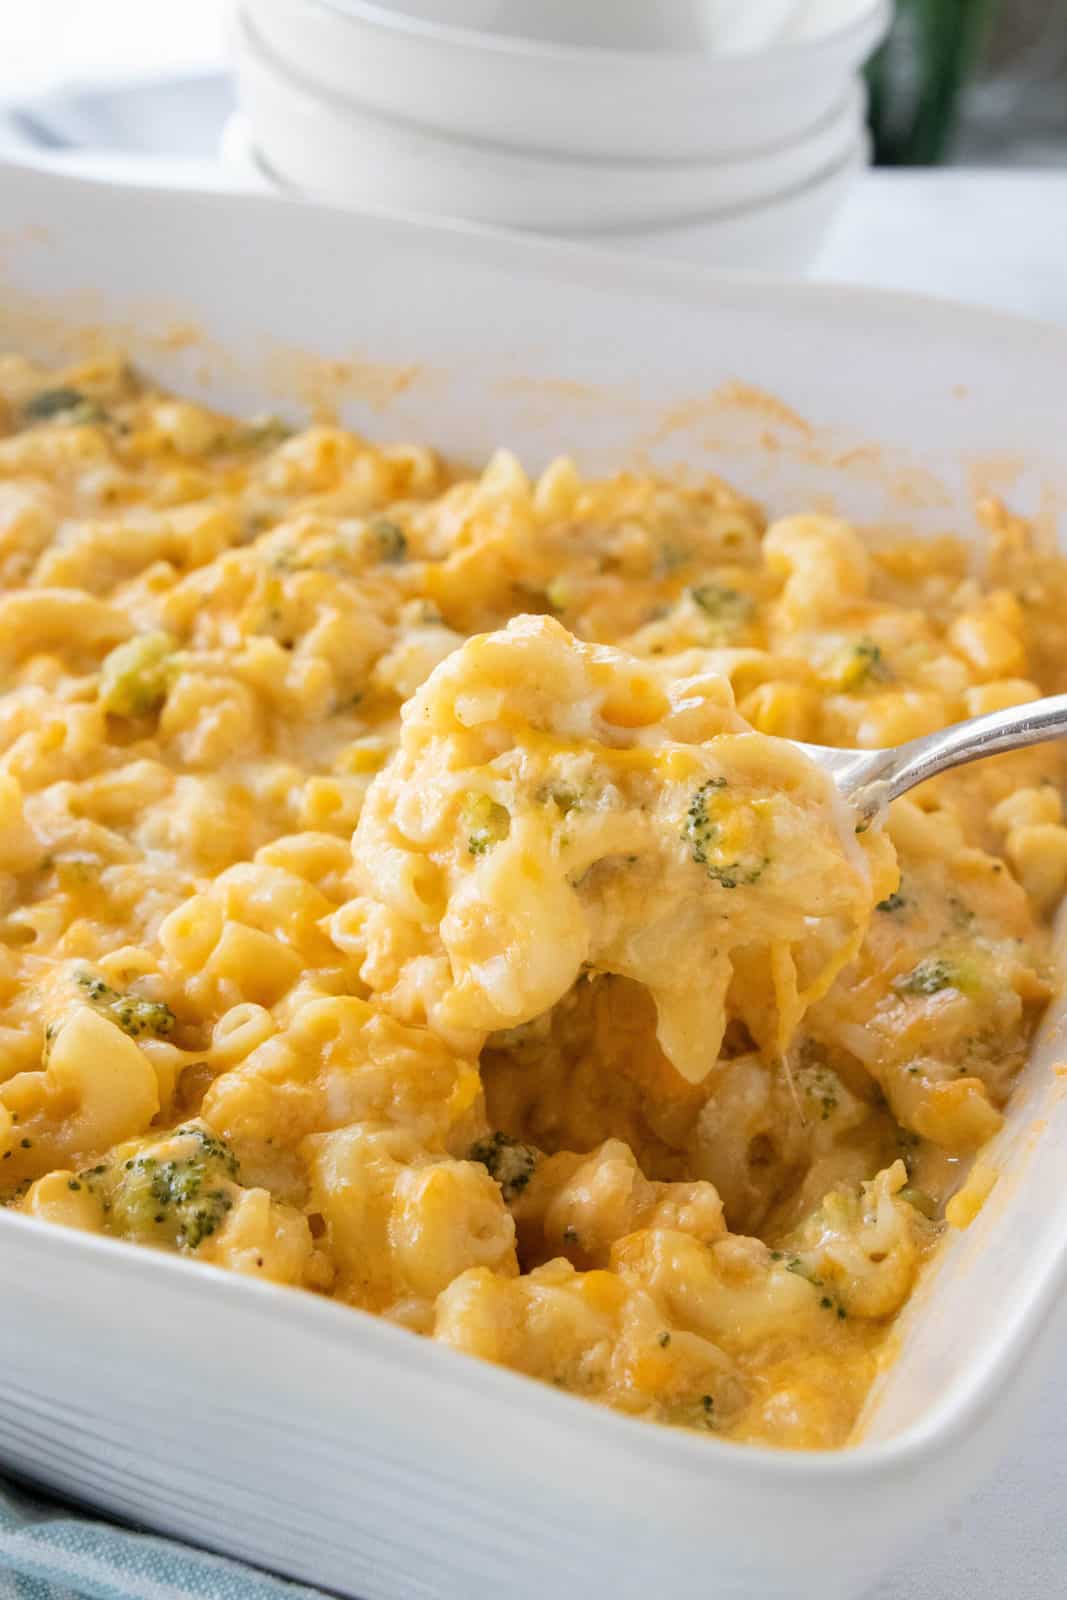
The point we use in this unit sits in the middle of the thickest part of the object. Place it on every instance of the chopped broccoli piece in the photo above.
(13, 1194)
(871, 661)
(928, 977)
(802, 1269)
(131, 1012)
(486, 823)
(727, 608)
(893, 902)
(703, 831)
(136, 675)
(699, 825)
(180, 1201)
(963, 973)
(859, 665)
(562, 796)
(828, 1297)
(392, 540)
(821, 1085)
(509, 1161)
(695, 1411)
(261, 434)
(62, 402)
(52, 402)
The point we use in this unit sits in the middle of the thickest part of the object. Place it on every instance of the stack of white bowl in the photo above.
(725, 131)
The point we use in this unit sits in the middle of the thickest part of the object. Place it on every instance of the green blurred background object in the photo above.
(917, 78)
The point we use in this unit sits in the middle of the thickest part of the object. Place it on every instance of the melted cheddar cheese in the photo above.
(406, 893)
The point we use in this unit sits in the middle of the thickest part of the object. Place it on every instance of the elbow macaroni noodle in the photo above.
(405, 894)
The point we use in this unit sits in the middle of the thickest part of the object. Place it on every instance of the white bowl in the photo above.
(783, 235)
(311, 1438)
(711, 25)
(324, 146)
(625, 105)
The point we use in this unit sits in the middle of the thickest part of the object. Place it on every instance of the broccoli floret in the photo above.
(62, 402)
(509, 1161)
(562, 796)
(137, 1016)
(180, 1200)
(135, 677)
(703, 832)
(728, 609)
(699, 826)
(963, 973)
(858, 666)
(822, 1086)
(392, 540)
(262, 434)
(695, 1411)
(486, 823)
(131, 1012)
(794, 1264)
(828, 1299)
(928, 977)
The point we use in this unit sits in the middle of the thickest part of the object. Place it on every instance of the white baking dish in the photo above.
(313, 1439)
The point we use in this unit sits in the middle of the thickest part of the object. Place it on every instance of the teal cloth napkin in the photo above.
(50, 1552)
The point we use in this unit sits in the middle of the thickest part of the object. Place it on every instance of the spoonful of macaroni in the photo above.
(557, 809)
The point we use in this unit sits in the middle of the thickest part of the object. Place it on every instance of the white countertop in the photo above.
(993, 238)
(1008, 1541)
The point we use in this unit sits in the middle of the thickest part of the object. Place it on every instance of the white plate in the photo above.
(330, 148)
(637, 105)
(313, 1439)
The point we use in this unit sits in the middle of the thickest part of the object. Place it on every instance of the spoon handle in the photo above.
(991, 735)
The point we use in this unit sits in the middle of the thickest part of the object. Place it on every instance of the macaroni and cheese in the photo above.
(407, 892)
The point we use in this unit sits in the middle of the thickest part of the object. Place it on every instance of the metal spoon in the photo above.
(869, 779)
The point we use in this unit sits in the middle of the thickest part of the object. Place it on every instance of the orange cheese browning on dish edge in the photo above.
(405, 895)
